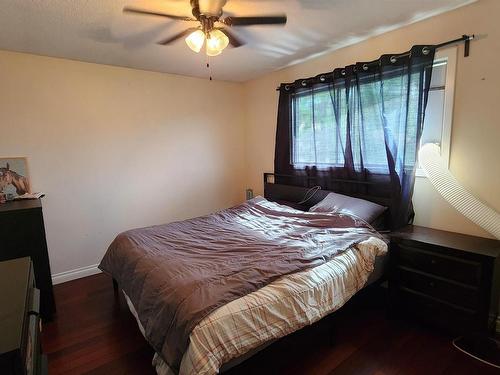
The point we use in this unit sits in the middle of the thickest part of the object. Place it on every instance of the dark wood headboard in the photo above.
(291, 195)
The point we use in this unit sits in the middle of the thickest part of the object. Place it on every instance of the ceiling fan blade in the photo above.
(258, 20)
(153, 13)
(177, 36)
(233, 39)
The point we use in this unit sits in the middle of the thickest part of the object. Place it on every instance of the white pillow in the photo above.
(338, 203)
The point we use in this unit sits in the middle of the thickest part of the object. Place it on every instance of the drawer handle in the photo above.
(432, 284)
(433, 262)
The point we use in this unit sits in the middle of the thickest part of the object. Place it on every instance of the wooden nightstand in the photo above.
(447, 279)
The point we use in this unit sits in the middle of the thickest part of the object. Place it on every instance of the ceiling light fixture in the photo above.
(213, 27)
(195, 40)
(217, 41)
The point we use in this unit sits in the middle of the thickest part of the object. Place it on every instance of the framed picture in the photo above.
(14, 177)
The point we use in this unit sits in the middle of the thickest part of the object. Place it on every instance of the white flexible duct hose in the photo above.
(454, 193)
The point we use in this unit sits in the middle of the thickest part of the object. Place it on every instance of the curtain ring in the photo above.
(322, 78)
(354, 69)
(287, 87)
(365, 67)
(426, 50)
(303, 83)
(393, 59)
(343, 72)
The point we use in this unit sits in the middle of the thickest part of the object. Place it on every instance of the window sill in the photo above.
(420, 173)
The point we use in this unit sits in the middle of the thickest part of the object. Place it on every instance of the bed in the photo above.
(211, 291)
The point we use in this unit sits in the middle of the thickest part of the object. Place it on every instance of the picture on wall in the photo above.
(14, 178)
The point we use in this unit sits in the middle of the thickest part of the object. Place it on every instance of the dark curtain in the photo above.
(356, 130)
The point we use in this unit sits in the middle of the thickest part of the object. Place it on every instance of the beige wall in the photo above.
(475, 150)
(116, 148)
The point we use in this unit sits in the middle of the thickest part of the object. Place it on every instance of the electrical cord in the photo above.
(310, 194)
(493, 342)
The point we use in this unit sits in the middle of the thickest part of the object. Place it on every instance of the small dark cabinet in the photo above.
(20, 347)
(22, 234)
(450, 280)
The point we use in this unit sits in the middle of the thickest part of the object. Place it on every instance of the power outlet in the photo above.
(249, 194)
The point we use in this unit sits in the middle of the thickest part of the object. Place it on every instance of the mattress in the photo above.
(246, 325)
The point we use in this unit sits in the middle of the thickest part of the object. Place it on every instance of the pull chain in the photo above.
(209, 67)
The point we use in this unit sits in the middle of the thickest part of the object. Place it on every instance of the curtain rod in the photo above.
(464, 38)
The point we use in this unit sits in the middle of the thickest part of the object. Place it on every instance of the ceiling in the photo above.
(97, 31)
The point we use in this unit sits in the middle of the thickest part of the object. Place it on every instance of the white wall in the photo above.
(117, 148)
(475, 150)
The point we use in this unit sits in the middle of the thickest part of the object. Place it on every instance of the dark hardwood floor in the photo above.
(94, 333)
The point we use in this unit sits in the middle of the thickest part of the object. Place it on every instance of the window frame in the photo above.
(450, 55)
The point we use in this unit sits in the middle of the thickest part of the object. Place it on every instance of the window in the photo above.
(314, 130)
(317, 140)
(439, 111)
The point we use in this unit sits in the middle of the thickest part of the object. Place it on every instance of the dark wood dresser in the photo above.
(20, 347)
(22, 234)
(447, 279)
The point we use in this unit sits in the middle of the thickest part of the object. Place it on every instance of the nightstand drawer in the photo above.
(455, 293)
(436, 312)
(461, 270)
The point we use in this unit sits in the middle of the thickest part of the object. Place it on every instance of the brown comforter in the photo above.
(176, 274)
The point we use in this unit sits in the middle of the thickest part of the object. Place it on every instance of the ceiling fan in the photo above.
(213, 27)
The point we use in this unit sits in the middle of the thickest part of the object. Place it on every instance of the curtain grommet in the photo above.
(343, 72)
(365, 67)
(287, 87)
(303, 83)
(426, 50)
(322, 78)
(393, 59)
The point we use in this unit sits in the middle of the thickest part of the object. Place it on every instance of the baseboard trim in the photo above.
(77, 273)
